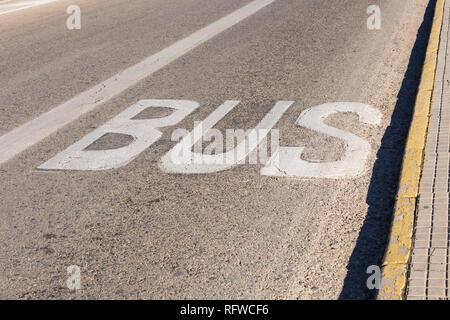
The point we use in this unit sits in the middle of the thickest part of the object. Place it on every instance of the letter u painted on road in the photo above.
(180, 159)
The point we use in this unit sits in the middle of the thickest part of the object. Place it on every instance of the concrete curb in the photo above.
(398, 252)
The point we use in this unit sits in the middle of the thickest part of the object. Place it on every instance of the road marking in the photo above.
(35, 130)
(144, 132)
(287, 162)
(180, 159)
(21, 5)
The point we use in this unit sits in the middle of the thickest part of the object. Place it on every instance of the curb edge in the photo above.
(398, 251)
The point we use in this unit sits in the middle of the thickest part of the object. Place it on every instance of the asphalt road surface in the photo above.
(142, 230)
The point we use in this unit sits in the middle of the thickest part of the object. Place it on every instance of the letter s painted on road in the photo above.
(287, 162)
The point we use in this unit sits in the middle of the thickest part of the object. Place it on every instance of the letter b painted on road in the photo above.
(144, 133)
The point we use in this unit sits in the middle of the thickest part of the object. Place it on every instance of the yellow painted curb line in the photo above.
(398, 252)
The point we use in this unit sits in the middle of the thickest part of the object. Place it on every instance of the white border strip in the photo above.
(26, 4)
(35, 130)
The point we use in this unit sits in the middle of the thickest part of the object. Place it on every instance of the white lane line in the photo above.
(35, 130)
(22, 5)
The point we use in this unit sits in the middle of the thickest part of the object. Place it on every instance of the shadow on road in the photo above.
(372, 240)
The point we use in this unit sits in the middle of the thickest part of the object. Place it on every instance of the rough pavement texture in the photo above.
(137, 232)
